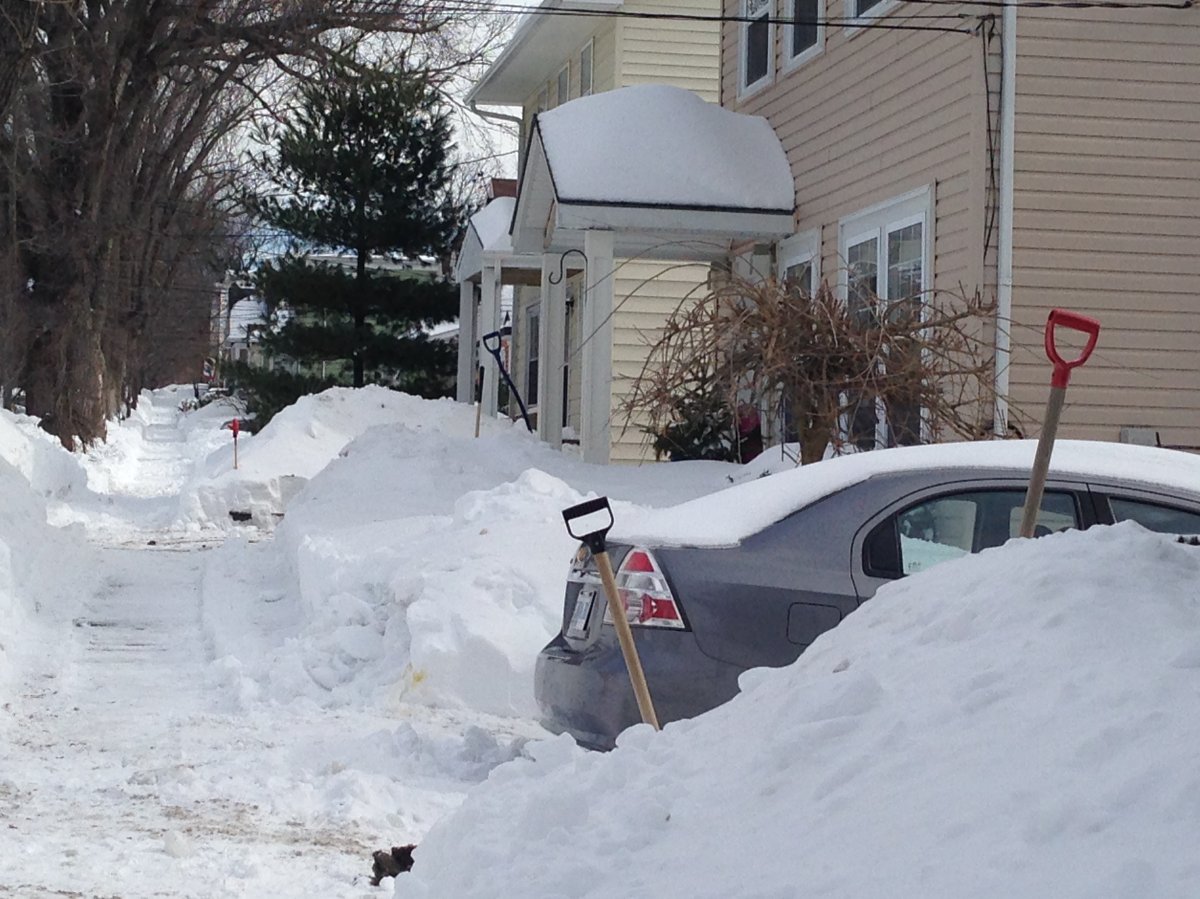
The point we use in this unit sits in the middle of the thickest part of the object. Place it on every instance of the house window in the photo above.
(804, 32)
(866, 9)
(564, 85)
(585, 69)
(543, 99)
(758, 38)
(533, 316)
(886, 251)
(800, 261)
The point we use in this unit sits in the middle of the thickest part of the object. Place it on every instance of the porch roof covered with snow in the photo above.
(487, 242)
(672, 176)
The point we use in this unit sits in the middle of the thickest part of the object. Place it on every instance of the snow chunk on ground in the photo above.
(1017, 723)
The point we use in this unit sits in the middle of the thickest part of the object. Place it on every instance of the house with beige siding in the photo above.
(575, 384)
(1047, 156)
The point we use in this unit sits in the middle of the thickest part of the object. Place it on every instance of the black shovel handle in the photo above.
(594, 539)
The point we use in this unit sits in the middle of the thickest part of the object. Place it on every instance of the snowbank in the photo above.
(35, 588)
(420, 565)
(1019, 723)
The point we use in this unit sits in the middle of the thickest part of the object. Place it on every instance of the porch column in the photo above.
(551, 351)
(489, 321)
(596, 408)
(466, 342)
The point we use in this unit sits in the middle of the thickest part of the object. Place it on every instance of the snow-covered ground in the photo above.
(200, 704)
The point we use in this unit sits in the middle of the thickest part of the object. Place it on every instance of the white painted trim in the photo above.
(466, 343)
(854, 23)
(745, 90)
(790, 62)
(590, 47)
(551, 350)
(1004, 237)
(558, 100)
(489, 321)
(801, 247)
(596, 425)
(877, 222)
(726, 224)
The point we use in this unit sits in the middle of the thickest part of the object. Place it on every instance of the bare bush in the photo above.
(867, 372)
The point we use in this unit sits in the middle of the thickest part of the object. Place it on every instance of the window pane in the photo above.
(952, 526)
(862, 260)
(756, 51)
(861, 6)
(800, 276)
(758, 40)
(531, 355)
(585, 71)
(905, 262)
(564, 86)
(1162, 519)
(804, 25)
(543, 100)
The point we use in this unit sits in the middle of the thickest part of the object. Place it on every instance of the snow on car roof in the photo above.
(727, 517)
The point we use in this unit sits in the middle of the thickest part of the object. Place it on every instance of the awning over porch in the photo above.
(673, 177)
(487, 242)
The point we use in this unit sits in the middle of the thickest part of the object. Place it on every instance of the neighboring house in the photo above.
(915, 170)
(246, 321)
(571, 365)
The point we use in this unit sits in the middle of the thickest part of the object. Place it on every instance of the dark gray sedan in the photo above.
(804, 549)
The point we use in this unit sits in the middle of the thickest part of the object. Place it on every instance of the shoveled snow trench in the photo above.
(126, 770)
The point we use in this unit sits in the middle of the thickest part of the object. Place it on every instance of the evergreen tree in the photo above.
(363, 170)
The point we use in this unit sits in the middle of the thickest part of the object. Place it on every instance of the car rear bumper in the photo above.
(587, 692)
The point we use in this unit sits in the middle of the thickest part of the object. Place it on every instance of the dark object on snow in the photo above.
(389, 864)
(239, 516)
(1189, 541)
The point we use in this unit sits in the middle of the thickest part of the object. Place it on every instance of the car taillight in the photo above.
(644, 592)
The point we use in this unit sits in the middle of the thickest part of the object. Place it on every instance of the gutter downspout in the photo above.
(1004, 245)
(496, 116)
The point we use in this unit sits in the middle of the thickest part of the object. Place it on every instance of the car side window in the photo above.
(954, 525)
(1154, 517)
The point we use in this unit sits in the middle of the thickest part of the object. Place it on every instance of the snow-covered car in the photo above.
(751, 575)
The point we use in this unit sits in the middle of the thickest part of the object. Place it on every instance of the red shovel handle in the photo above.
(1076, 322)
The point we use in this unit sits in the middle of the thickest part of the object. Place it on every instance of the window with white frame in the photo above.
(866, 9)
(543, 99)
(887, 252)
(798, 267)
(533, 316)
(563, 93)
(805, 32)
(585, 69)
(799, 261)
(758, 40)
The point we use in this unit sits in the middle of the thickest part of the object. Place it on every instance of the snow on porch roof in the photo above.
(656, 145)
(491, 225)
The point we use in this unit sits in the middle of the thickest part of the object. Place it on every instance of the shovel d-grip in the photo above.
(1061, 377)
(1075, 322)
(601, 521)
(491, 343)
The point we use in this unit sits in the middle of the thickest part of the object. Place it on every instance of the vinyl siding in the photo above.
(645, 294)
(875, 115)
(1107, 220)
(661, 51)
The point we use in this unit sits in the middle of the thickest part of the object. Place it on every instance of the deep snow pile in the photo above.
(1020, 723)
(418, 565)
(35, 588)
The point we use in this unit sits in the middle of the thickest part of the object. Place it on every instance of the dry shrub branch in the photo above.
(863, 372)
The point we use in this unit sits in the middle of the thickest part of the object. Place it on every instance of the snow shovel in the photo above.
(1058, 392)
(594, 540)
(491, 343)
